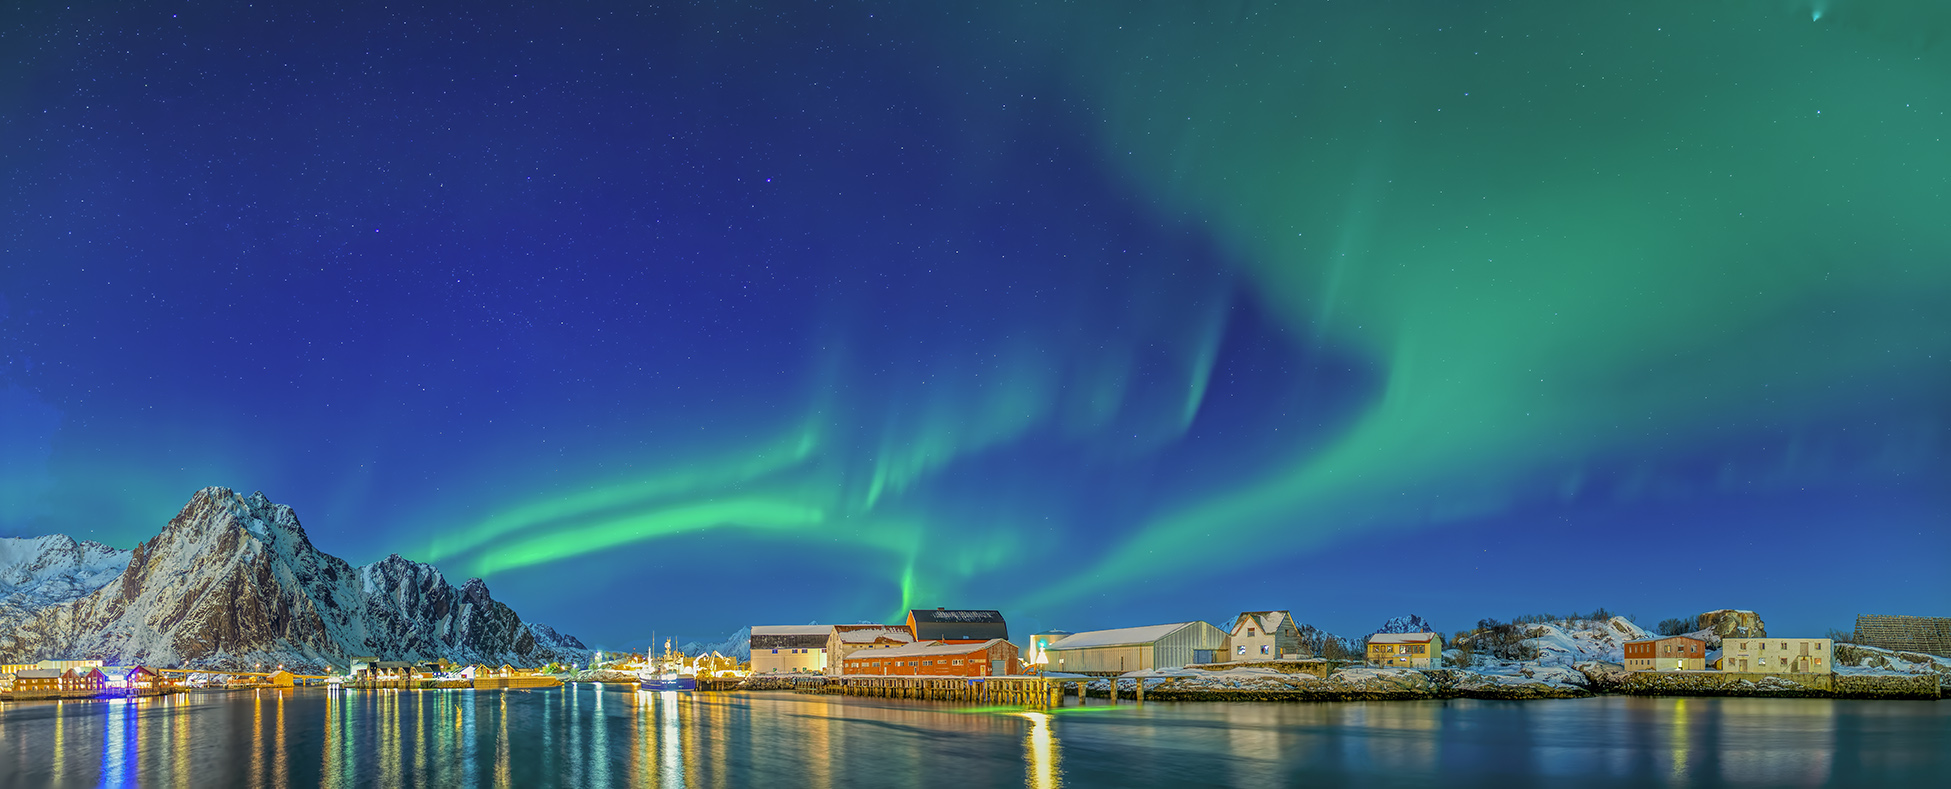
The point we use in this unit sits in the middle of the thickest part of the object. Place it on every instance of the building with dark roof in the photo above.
(789, 649)
(956, 626)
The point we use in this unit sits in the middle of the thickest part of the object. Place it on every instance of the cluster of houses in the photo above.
(1739, 655)
(78, 679)
(975, 643)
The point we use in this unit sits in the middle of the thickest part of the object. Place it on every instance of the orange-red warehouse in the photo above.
(992, 658)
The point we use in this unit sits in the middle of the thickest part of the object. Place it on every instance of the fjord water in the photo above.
(585, 735)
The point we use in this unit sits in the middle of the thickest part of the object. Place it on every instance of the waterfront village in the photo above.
(1264, 655)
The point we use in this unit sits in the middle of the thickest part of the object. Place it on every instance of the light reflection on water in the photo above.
(585, 735)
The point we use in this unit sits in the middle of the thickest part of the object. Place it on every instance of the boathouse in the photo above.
(956, 626)
(992, 658)
(1137, 648)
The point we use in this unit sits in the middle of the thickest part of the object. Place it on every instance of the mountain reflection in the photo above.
(586, 735)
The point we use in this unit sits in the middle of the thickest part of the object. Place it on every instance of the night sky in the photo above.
(1104, 314)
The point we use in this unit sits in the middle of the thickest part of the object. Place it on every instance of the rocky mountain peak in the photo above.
(475, 591)
(233, 580)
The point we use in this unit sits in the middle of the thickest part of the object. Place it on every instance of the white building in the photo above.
(789, 649)
(1136, 648)
(1777, 655)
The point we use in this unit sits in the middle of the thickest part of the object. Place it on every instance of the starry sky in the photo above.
(1100, 313)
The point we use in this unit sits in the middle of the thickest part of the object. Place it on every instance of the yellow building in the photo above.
(1409, 650)
(64, 665)
(1777, 655)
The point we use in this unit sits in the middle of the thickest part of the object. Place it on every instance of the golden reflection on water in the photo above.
(501, 745)
(1040, 754)
(60, 742)
(329, 767)
(1676, 735)
(280, 773)
(256, 755)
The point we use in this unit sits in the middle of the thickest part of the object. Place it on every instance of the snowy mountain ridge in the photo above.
(234, 581)
(738, 645)
(37, 572)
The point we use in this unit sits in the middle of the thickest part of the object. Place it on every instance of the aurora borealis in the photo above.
(1102, 314)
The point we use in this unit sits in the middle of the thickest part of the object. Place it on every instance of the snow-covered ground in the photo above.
(1859, 660)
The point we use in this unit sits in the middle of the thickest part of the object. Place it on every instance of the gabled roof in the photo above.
(1402, 638)
(926, 649)
(1263, 620)
(1123, 636)
(941, 624)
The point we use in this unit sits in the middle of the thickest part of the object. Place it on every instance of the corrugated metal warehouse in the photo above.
(1137, 648)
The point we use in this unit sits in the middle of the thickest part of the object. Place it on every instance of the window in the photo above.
(1818, 646)
(1249, 632)
(1266, 649)
(1242, 650)
(955, 662)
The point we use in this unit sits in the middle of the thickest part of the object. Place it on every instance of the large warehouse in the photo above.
(789, 649)
(1137, 648)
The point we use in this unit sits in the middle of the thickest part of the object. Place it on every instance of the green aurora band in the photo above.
(1569, 237)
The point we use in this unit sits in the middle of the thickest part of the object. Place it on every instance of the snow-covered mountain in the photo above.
(738, 645)
(37, 572)
(233, 581)
(1406, 624)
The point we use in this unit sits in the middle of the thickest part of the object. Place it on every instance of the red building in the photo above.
(991, 658)
(1668, 653)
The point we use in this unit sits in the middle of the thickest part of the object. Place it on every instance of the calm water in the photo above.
(587, 736)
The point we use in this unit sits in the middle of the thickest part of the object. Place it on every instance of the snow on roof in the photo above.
(1265, 620)
(791, 630)
(926, 649)
(1401, 638)
(1656, 639)
(1123, 636)
(38, 673)
(863, 635)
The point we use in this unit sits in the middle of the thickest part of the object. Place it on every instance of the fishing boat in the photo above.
(665, 672)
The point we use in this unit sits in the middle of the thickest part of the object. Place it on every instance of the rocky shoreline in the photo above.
(1371, 684)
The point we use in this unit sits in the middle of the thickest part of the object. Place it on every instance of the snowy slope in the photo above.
(37, 572)
(234, 581)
